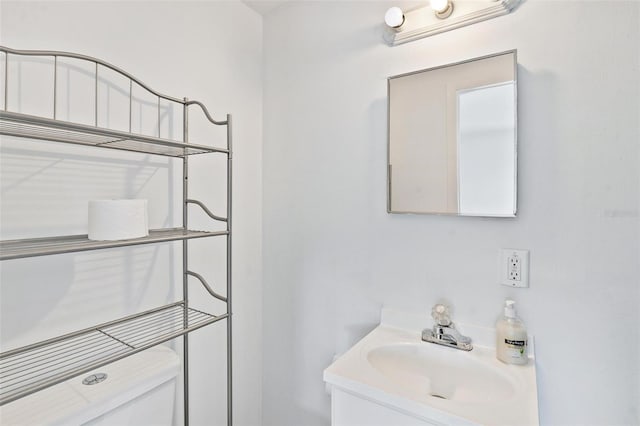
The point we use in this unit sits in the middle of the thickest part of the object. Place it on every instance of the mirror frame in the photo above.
(515, 139)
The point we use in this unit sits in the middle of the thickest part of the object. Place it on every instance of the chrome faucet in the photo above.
(444, 332)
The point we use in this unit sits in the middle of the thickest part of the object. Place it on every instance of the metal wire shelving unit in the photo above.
(29, 369)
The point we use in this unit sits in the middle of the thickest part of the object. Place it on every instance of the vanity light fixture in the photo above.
(438, 16)
(394, 18)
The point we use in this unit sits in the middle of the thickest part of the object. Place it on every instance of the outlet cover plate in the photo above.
(514, 268)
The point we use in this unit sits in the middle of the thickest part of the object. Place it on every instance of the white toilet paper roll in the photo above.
(111, 220)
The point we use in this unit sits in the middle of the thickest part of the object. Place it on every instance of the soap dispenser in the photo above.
(511, 337)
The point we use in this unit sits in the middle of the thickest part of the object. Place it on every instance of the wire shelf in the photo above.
(31, 247)
(32, 127)
(32, 368)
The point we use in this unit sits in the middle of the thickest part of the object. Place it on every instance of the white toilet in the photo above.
(138, 391)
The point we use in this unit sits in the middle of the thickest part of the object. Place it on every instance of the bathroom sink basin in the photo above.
(394, 368)
(439, 372)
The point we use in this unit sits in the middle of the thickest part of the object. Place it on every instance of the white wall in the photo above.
(181, 49)
(333, 256)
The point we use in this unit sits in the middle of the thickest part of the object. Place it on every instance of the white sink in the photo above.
(392, 366)
(440, 372)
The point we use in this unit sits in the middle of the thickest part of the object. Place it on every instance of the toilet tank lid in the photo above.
(71, 402)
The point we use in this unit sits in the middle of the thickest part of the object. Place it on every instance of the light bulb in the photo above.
(394, 17)
(442, 8)
(439, 6)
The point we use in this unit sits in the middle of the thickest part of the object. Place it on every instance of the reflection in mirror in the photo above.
(486, 152)
(452, 139)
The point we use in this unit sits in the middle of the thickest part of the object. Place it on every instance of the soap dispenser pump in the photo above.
(511, 337)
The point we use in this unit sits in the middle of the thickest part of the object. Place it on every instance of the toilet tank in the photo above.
(138, 391)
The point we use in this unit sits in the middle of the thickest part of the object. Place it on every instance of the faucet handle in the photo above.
(440, 314)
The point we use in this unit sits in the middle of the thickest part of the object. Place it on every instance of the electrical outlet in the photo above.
(514, 267)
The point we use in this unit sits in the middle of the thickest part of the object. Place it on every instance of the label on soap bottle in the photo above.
(516, 349)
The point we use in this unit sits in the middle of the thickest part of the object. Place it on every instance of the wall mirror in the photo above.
(452, 139)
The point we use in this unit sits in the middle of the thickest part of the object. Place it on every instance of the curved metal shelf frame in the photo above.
(155, 326)
(57, 54)
(47, 128)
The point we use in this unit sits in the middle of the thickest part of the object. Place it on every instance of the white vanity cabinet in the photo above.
(348, 409)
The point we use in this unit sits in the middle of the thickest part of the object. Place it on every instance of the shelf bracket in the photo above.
(206, 210)
(206, 286)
